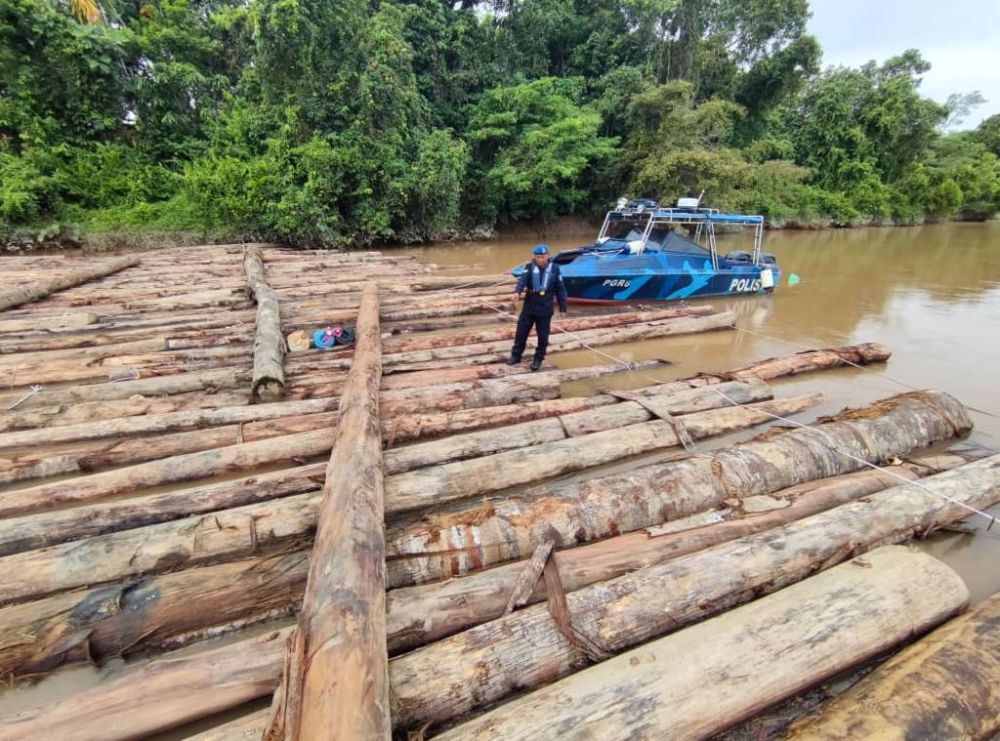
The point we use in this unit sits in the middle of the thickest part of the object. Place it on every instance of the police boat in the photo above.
(641, 255)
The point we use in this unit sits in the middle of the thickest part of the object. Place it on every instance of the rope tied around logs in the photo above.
(543, 565)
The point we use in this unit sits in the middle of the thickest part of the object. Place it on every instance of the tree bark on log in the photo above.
(337, 681)
(518, 436)
(46, 529)
(166, 693)
(526, 649)
(41, 529)
(18, 295)
(701, 680)
(268, 380)
(146, 612)
(422, 614)
(243, 530)
(284, 448)
(169, 422)
(440, 545)
(945, 686)
(811, 360)
(465, 479)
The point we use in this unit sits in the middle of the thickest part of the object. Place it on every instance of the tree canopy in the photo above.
(348, 122)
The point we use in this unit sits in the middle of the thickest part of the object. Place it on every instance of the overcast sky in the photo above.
(960, 38)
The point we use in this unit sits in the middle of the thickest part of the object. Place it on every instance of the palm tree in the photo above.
(87, 11)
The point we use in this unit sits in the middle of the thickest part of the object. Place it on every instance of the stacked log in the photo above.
(442, 544)
(945, 686)
(33, 291)
(701, 680)
(526, 649)
(689, 597)
(150, 499)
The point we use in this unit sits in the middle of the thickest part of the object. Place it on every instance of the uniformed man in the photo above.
(541, 285)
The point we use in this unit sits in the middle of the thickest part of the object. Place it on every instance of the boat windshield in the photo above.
(661, 238)
(627, 231)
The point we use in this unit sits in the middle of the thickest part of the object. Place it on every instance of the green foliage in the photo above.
(343, 122)
(535, 149)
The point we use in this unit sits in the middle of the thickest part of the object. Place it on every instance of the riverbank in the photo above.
(41, 240)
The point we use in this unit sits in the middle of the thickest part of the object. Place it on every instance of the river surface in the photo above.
(931, 294)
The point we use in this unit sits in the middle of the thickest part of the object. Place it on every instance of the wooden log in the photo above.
(44, 529)
(150, 612)
(560, 342)
(466, 479)
(167, 422)
(249, 727)
(811, 360)
(422, 614)
(945, 686)
(620, 415)
(570, 324)
(66, 322)
(457, 541)
(495, 370)
(526, 649)
(337, 681)
(23, 294)
(269, 341)
(96, 456)
(82, 356)
(205, 381)
(724, 670)
(284, 448)
(174, 691)
(88, 412)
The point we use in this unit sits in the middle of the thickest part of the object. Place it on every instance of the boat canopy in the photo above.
(648, 219)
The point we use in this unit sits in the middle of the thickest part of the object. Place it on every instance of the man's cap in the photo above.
(541, 249)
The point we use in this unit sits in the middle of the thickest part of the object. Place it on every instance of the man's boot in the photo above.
(536, 364)
(513, 360)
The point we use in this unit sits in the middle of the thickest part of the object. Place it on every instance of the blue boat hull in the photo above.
(660, 276)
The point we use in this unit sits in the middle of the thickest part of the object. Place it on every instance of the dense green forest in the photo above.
(347, 122)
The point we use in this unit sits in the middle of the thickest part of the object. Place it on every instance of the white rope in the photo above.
(35, 388)
(826, 441)
(615, 360)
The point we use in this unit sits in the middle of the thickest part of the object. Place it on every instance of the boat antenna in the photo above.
(700, 196)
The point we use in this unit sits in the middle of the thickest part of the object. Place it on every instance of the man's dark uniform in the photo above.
(541, 288)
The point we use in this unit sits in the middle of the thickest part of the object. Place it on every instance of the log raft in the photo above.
(179, 477)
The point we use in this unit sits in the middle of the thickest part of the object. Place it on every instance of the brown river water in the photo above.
(931, 294)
